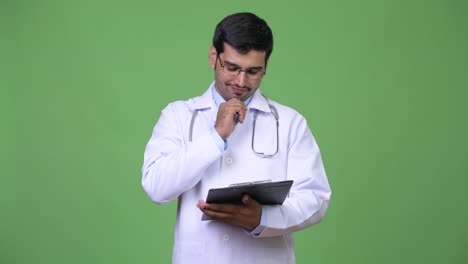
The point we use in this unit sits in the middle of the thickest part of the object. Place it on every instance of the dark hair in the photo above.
(244, 32)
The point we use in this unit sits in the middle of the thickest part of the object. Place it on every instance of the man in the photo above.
(213, 141)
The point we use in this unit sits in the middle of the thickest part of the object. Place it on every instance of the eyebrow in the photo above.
(249, 68)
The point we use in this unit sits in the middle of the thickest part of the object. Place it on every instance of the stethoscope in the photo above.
(273, 111)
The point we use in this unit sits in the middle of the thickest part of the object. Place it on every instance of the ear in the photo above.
(212, 56)
(266, 67)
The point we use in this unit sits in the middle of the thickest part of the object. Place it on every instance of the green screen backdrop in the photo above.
(383, 85)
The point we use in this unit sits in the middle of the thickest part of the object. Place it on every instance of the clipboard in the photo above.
(266, 193)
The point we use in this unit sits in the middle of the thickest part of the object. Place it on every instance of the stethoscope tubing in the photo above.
(273, 110)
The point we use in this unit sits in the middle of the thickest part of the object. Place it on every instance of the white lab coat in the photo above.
(175, 168)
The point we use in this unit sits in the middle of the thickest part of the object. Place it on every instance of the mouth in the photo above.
(239, 90)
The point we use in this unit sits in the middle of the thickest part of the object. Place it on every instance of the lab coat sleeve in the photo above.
(171, 164)
(309, 196)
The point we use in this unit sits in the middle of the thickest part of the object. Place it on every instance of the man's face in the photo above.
(240, 86)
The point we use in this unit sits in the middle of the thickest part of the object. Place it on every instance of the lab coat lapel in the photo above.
(206, 103)
(259, 102)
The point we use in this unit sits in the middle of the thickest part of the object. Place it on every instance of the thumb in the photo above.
(246, 200)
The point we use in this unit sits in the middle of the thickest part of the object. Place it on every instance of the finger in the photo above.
(218, 215)
(243, 220)
(238, 107)
(201, 204)
(236, 103)
(246, 200)
(223, 208)
(229, 110)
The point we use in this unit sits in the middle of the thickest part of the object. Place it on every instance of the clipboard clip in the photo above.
(248, 183)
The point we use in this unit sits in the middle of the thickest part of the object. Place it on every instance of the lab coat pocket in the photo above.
(269, 250)
(193, 251)
(266, 255)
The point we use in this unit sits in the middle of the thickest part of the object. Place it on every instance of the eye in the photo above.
(253, 71)
(232, 68)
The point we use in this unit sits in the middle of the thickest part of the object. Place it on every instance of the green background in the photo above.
(383, 85)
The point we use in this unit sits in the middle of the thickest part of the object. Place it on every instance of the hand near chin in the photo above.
(225, 122)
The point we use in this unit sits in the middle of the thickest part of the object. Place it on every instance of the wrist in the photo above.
(221, 133)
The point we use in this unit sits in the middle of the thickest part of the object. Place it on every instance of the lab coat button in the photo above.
(226, 237)
(229, 160)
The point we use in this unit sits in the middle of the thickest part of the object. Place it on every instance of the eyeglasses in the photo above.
(255, 73)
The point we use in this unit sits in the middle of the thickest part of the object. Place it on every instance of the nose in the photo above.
(241, 78)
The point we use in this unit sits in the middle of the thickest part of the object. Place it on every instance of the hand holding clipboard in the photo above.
(266, 193)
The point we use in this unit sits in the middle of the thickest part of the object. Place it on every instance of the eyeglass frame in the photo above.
(239, 70)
